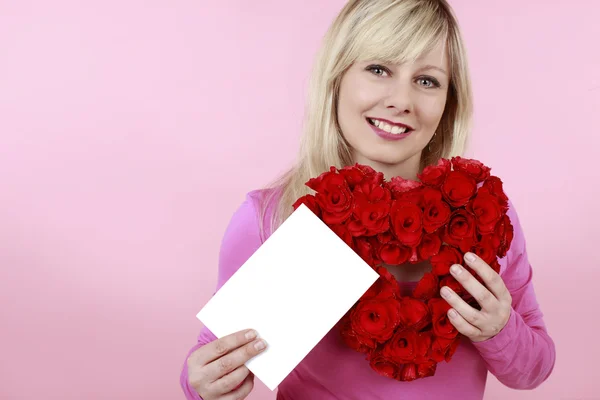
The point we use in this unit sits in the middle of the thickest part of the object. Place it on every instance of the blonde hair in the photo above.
(392, 31)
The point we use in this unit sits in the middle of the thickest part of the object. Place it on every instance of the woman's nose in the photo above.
(399, 97)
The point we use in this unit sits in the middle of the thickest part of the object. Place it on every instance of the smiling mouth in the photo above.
(391, 129)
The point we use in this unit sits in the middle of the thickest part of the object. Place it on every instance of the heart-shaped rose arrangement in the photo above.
(455, 207)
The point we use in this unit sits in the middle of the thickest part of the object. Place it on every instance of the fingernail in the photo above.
(452, 314)
(251, 334)
(470, 257)
(445, 292)
(456, 269)
(259, 345)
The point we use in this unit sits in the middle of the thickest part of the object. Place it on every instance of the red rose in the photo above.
(452, 348)
(352, 175)
(385, 286)
(355, 227)
(368, 170)
(354, 341)
(458, 188)
(407, 222)
(495, 265)
(439, 348)
(487, 211)
(436, 212)
(493, 184)
(382, 365)
(376, 318)
(316, 184)
(414, 314)
(487, 248)
(474, 168)
(460, 231)
(434, 175)
(401, 348)
(372, 219)
(400, 185)
(439, 307)
(423, 346)
(356, 174)
(394, 253)
(430, 246)
(385, 237)
(372, 192)
(365, 250)
(505, 233)
(441, 325)
(371, 174)
(427, 287)
(453, 284)
(376, 246)
(408, 373)
(333, 196)
(310, 202)
(343, 233)
(371, 211)
(426, 369)
(442, 261)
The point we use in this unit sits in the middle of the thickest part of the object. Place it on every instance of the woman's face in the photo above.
(378, 101)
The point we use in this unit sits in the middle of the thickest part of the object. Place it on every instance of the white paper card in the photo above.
(292, 290)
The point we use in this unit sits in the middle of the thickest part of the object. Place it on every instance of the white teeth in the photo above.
(374, 122)
(396, 130)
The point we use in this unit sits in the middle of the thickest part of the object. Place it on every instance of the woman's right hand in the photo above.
(217, 371)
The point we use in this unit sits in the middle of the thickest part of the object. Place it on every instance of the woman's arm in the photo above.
(240, 240)
(522, 355)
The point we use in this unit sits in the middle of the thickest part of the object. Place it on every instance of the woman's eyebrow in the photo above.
(426, 67)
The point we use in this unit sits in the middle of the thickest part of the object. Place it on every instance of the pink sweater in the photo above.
(521, 356)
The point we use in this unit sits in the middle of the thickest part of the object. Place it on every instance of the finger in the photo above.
(471, 315)
(231, 361)
(462, 325)
(491, 278)
(220, 347)
(230, 382)
(484, 297)
(243, 391)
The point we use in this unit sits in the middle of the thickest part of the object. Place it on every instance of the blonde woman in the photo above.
(390, 89)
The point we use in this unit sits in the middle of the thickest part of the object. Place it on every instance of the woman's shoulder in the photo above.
(242, 236)
(255, 212)
(264, 196)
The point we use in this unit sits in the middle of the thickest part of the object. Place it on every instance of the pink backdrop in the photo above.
(130, 131)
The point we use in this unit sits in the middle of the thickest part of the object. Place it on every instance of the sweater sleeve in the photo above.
(240, 240)
(522, 354)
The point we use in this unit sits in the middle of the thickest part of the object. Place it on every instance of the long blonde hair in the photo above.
(392, 31)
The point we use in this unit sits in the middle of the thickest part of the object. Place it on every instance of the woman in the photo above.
(390, 90)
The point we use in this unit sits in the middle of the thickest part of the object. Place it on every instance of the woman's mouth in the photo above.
(389, 131)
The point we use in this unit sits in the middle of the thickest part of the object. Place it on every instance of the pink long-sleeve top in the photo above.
(521, 355)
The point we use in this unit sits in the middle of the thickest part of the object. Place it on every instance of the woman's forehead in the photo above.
(436, 56)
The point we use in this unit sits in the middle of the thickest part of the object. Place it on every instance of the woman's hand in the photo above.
(495, 301)
(217, 371)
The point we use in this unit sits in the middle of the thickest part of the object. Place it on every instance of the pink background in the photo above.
(130, 131)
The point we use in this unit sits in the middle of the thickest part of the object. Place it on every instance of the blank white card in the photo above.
(292, 290)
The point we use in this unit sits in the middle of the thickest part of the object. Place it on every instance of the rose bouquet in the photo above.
(455, 207)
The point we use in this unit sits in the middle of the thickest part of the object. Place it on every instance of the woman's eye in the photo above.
(433, 82)
(377, 69)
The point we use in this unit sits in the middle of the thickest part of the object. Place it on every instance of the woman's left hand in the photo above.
(495, 301)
